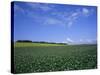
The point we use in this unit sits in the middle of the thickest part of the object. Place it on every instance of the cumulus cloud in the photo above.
(85, 11)
(69, 40)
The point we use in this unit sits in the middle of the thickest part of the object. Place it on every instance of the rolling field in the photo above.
(37, 57)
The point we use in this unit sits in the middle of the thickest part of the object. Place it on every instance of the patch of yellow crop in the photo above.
(35, 44)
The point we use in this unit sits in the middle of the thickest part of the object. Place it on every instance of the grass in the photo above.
(35, 57)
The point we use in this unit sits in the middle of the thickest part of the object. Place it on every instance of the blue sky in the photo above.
(55, 22)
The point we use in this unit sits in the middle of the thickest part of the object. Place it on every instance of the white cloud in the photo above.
(91, 41)
(75, 14)
(68, 18)
(81, 40)
(53, 21)
(42, 6)
(64, 18)
(72, 18)
(69, 40)
(87, 41)
(85, 11)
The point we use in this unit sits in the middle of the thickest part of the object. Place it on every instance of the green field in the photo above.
(37, 57)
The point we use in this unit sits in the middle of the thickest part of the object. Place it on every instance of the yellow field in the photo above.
(35, 44)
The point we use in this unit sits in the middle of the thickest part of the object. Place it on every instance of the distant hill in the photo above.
(29, 41)
(24, 41)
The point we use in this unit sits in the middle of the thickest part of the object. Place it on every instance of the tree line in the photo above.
(29, 41)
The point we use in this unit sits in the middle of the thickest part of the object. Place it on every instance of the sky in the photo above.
(60, 23)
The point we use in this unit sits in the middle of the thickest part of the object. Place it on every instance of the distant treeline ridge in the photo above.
(29, 41)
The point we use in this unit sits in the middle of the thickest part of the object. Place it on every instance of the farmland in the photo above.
(38, 57)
